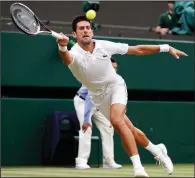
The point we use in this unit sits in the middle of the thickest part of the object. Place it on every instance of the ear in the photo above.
(74, 34)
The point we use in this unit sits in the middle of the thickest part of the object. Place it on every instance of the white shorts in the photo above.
(111, 94)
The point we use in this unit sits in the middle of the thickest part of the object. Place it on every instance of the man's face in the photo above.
(114, 64)
(170, 6)
(84, 33)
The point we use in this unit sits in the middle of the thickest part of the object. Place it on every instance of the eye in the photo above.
(81, 28)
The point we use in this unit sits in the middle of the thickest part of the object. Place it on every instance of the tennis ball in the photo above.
(90, 14)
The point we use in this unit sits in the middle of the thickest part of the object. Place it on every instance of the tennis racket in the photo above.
(25, 19)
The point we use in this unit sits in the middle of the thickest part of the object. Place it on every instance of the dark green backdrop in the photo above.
(34, 61)
(22, 127)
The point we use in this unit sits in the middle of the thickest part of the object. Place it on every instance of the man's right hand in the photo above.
(62, 41)
(65, 55)
(85, 126)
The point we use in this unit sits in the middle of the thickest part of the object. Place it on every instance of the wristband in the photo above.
(62, 48)
(164, 48)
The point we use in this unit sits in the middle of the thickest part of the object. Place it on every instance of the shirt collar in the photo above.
(82, 51)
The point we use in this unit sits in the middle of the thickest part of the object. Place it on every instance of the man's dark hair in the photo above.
(173, 2)
(78, 19)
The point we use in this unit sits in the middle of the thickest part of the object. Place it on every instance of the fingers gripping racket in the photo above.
(25, 19)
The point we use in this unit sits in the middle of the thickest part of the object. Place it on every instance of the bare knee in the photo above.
(118, 124)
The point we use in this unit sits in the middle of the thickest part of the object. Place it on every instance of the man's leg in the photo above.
(157, 150)
(107, 133)
(117, 112)
(112, 104)
(84, 146)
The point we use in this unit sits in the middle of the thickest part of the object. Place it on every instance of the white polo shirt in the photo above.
(95, 70)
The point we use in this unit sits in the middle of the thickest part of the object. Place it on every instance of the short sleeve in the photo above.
(115, 48)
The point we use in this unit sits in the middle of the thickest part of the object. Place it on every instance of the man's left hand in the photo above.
(176, 53)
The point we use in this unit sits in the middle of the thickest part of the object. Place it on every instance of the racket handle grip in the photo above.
(59, 36)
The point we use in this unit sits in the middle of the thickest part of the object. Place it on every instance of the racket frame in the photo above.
(54, 34)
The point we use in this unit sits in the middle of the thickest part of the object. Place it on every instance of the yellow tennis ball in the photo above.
(90, 14)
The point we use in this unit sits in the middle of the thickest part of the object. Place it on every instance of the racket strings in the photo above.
(25, 19)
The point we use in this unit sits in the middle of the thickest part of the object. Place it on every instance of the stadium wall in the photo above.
(37, 57)
(22, 123)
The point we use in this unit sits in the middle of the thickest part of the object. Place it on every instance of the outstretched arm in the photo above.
(152, 49)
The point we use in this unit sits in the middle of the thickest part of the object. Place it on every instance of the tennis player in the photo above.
(89, 62)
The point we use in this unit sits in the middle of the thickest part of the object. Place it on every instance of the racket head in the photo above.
(24, 18)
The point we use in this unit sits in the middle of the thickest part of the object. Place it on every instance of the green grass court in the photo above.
(181, 170)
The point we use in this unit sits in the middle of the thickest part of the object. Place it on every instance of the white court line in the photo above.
(106, 171)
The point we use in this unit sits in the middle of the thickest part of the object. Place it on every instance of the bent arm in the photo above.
(66, 57)
(159, 24)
